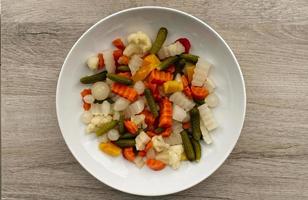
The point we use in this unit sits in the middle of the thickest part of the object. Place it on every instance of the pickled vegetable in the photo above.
(94, 78)
(159, 41)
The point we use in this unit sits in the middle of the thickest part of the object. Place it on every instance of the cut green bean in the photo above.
(168, 61)
(125, 143)
(127, 136)
(94, 78)
(151, 102)
(104, 128)
(121, 123)
(159, 41)
(179, 66)
(195, 123)
(199, 102)
(120, 79)
(188, 148)
(101, 101)
(197, 148)
(190, 57)
(123, 68)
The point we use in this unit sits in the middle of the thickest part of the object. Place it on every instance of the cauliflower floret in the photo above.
(132, 49)
(92, 62)
(91, 128)
(175, 153)
(159, 143)
(141, 140)
(105, 119)
(86, 117)
(137, 119)
(96, 121)
(141, 40)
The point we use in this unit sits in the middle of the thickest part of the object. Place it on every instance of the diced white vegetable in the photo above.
(103, 138)
(181, 100)
(109, 61)
(137, 119)
(175, 153)
(172, 50)
(132, 49)
(212, 100)
(204, 65)
(178, 113)
(151, 154)
(141, 140)
(134, 108)
(140, 39)
(139, 87)
(134, 63)
(187, 118)
(88, 99)
(116, 115)
(177, 127)
(97, 120)
(106, 108)
(100, 90)
(105, 119)
(174, 139)
(139, 162)
(207, 117)
(92, 62)
(210, 85)
(96, 109)
(86, 117)
(121, 104)
(159, 143)
(91, 128)
(163, 156)
(205, 134)
(113, 134)
(199, 77)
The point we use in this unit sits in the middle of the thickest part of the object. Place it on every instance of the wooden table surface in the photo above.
(270, 41)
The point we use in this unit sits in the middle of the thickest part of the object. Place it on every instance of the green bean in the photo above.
(151, 102)
(199, 102)
(109, 100)
(127, 136)
(125, 143)
(179, 65)
(123, 68)
(195, 123)
(104, 128)
(120, 79)
(101, 101)
(190, 57)
(94, 78)
(197, 148)
(159, 41)
(168, 61)
(188, 148)
(121, 123)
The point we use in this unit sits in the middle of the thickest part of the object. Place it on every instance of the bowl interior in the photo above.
(116, 172)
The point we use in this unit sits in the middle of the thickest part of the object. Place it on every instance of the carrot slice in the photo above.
(129, 154)
(148, 146)
(199, 93)
(131, 127)
(186, 125)
(123, 60)
(118, 43)
(165, 119)
(101, 62)
(117, 54)
(86, 106)
(159, 77)
(187, 92)
(124, 91)
(142, 153)
(155, 164)
(151, 134)
(85, 92)
(167, 132)
(149, 117)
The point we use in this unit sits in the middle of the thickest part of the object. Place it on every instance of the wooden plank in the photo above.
(270, 40)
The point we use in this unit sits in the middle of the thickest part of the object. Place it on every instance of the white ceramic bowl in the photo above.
(117, 172)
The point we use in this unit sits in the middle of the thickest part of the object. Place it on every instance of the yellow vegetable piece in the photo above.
(172, 86)
(183, 156)
(189, 71)
(150, 62)
(110, 149)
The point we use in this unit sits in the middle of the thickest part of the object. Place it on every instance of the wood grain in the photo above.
(270, 40)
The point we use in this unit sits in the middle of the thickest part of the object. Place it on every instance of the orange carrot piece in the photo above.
(165, 119)
(118, 43)
(186, 125)
(149, 117)
(148, 146)
(129, 154)
(159, 77)
(167, 132)
(85, 92)
(86, 106)
(184, 81)
(187, 92)
(199, 93)
(171, 69)
(124, 91)
(131, 127)
(155, 164)
(123, 60)
(101, 62)
(151, 134)
(117, 54)
(142, 153)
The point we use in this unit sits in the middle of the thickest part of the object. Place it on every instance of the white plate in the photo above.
(117, 172)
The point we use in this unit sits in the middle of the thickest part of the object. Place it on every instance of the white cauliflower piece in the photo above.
(96, 121)
(86, 117)
(132, 49)
(141, 140)
(175, 153)
(140, 39)
(92, 62)
(91, 128)
(159, 143)
(137, 119)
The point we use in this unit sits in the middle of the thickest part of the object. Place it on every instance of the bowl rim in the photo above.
(179, 189)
